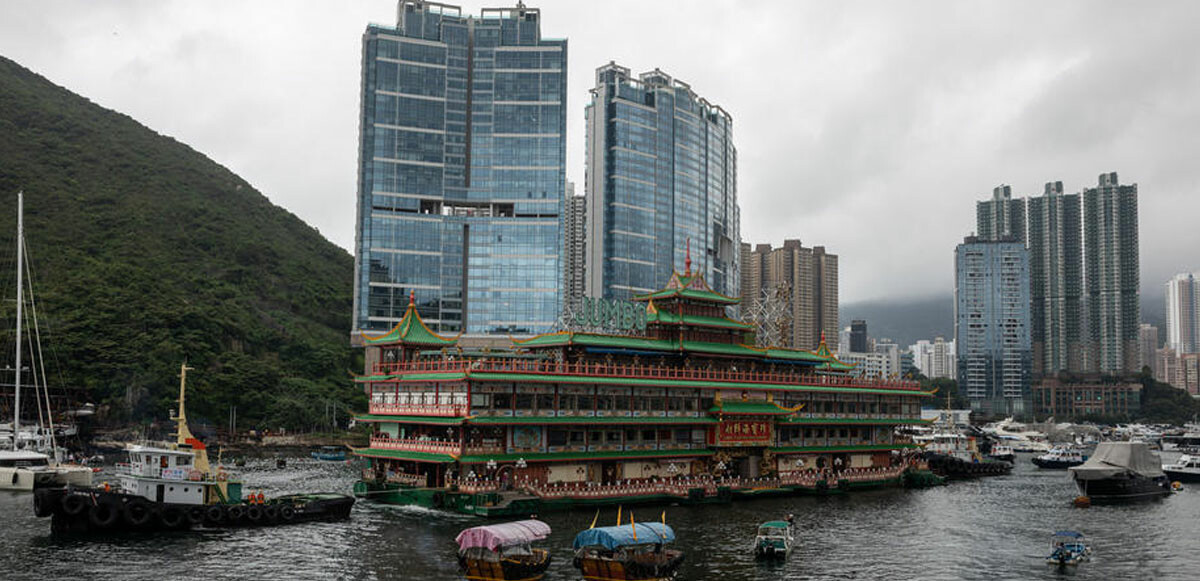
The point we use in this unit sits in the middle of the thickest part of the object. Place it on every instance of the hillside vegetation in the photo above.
(146, 253)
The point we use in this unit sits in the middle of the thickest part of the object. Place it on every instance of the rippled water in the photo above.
(989, 529)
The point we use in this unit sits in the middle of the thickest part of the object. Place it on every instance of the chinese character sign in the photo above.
(744, 432)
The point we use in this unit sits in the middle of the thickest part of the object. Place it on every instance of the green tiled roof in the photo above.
(553, 456)
(399, 455)
(592, 420)
(411, 330)
(750, 408)
(408, 419)
(736, 349)
(794, 355)
(663, 316)
(451, 376)
(689, 293)
(598, 340)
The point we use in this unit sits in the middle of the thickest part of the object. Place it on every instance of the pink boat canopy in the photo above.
(491, 537)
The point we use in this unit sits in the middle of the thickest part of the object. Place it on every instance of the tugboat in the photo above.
(173, 487)
(632, 552)
(502, 552)
(1120, 472)
(1068, 550)
(1060, 459)
(774, 540)
(1185, 469)
(953, 455)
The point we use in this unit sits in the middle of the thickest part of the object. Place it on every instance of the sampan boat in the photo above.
(632, 552)
(502, 552)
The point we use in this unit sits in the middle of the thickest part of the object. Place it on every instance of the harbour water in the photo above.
(990, 529)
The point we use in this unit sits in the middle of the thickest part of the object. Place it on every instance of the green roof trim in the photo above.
(411, 330)
(450, 376)
(735, 349)
(856, 448)
(400, 455)
(409, 419)
(735, 408)
(794, 355)
(587, 420)
(667, 317)
(856, 421)
(598, 340)
(555, 456)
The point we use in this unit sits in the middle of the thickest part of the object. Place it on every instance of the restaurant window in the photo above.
(585, 402)
(577, 437)
(556, 437)
(524, 401)
(502, 401)
(613, 437)
(545, 401)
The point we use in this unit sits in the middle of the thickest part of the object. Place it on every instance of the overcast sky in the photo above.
(868, 127)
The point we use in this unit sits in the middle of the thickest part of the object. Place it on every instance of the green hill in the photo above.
(145, 253)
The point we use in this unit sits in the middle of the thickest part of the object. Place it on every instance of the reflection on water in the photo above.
(991, 529)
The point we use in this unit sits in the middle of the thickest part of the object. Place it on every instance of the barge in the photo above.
(678, 406)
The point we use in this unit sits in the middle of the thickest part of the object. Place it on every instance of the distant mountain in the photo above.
(904, 321)
(907, 321)
(146, 253)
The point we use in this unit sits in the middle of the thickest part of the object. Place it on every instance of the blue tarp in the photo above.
(620, 536)
(1072, 534)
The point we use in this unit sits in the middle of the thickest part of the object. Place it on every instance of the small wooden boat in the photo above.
(774, 540)
(503, 552)
(1068, 549)
(330, 454)
(632, 552)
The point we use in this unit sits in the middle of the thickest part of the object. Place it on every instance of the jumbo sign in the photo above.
(610, 314)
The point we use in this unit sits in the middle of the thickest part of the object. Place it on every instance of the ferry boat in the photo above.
(682, 408)
(1060, 458)
(174, 487)
(502, 552)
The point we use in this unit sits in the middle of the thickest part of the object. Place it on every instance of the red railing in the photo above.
(410, 445)
(440, 410)
(600, 369)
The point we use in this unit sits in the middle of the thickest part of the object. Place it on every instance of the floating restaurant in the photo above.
(683, 410)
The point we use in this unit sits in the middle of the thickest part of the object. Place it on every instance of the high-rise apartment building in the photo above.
(1110, 236)
(574, 247)
(661, 177)
(858, 336)
(1056, 278)
(934, 359)
(1000, 218)
(807, 277)
(991, 308)
(1148, 348)
(1183, 313)
(461, 175)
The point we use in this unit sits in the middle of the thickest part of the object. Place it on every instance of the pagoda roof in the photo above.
(573, 338)
(689, 286)
(752, 408)
(411, 330)
(655, 315)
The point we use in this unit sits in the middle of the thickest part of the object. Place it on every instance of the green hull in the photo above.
(493, 504)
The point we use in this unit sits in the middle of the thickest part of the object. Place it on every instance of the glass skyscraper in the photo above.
(991, 310)
(661, 172)
(461, 177)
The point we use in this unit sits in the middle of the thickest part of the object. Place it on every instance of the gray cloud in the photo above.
(869, 127)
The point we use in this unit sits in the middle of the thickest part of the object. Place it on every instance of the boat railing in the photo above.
(631, 371)
(441, 410)
(431, 445)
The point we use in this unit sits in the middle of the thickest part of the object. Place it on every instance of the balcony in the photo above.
(601, 369)
(401, 409)
(411, 445)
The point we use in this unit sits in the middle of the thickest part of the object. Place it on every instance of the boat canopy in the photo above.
(1072, 534)
(624, 535)
(773, 524)
(491, 537)
(1113, 458)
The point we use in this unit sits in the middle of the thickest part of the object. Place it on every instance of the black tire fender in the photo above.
(254, 514)
(271, 513)
(138, 512)
(287, 514)
(235, 513)
(74, 504)
(173, 517)
(195, 514)
(104, 514)
(214, 514)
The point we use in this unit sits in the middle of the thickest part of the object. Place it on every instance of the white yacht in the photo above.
(1185, 469)
(26, 470)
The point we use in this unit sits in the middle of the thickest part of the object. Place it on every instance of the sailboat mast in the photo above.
(20, 300)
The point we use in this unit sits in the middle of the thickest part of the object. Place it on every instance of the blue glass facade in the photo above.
(661, 171)
(992, 325)
(462, 171)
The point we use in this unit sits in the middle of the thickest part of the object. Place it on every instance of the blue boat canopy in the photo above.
(773, 524)
(623, 535)
(1072, 534)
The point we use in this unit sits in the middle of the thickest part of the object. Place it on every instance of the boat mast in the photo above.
(20, 299)
(182, 433)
